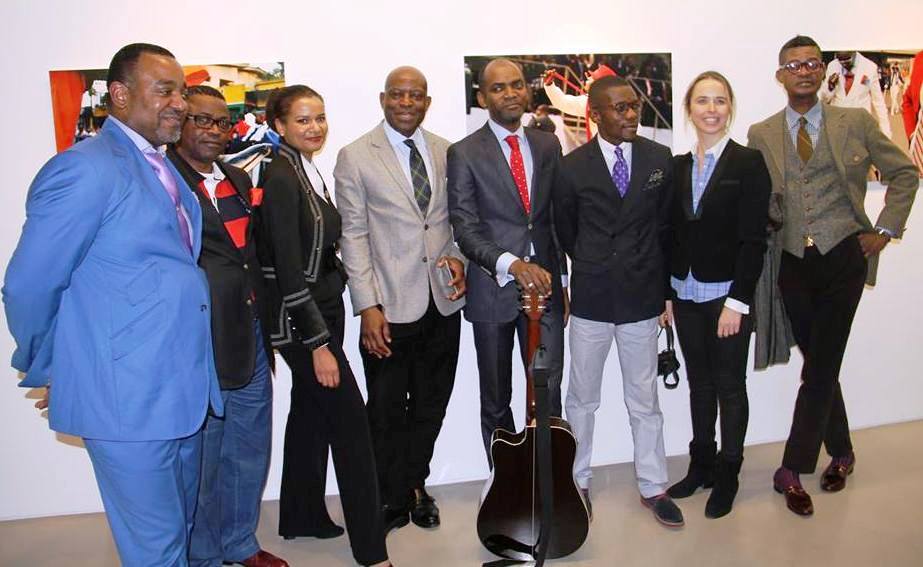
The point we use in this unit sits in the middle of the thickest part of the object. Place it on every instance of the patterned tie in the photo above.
(518, 168)
(620, 172)
(421, 189)
(169, 183)
(805, 147)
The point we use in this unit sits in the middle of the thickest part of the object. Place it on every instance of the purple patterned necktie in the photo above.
(620, 172)
(169, 183)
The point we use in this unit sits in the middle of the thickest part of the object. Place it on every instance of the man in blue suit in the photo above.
(110, 310)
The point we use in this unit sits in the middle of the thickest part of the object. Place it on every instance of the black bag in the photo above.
(667, 364)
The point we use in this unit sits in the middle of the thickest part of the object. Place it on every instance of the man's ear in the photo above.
(119, 94)
(481, 101)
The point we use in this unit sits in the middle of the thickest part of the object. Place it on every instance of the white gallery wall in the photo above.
(344, 50)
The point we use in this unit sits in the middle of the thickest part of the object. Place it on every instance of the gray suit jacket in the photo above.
(856, 142)
(389, 248)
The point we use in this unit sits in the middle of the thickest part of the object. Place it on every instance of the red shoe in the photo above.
(263, 558)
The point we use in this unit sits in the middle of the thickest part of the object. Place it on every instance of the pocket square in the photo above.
(654, 180)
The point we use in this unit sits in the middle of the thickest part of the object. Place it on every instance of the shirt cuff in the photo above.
(503, 268)
(565, 280)
(738, 306)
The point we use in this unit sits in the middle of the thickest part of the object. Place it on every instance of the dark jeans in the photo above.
(318, 416)
(717, 371)
(235, 462)
(821, 293)
(408, 395)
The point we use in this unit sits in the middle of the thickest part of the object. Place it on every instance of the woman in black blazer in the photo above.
(300, 227)
(719, 218)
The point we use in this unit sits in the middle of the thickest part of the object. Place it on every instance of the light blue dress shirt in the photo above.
(402, 151)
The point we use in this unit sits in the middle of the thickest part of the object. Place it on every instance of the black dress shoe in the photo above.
(834, 477)
(423, 510)
(394, 518)
(665, 510)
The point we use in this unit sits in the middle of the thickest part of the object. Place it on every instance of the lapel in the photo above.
(138, 169)
(492, 153)
(382, 149)
(640, 170)
(682, 176)
(774, 130)
(836, 129)
(437, 160)
(536, 148)
(715, 178)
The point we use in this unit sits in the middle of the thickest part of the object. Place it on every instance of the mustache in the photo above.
(171, 113)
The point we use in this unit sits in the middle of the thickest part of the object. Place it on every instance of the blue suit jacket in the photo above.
(106, 303)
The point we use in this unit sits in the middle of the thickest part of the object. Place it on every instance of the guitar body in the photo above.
(508, 519)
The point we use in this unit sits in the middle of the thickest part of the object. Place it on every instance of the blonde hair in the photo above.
(715, 76)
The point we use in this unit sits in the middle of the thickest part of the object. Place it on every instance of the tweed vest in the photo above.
(816, 203)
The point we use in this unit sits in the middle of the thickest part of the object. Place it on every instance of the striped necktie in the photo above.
(421, 188)
(805, 147)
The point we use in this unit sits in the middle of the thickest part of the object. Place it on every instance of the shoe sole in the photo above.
(661, 520)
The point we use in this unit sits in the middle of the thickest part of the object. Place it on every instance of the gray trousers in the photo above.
(636, 343)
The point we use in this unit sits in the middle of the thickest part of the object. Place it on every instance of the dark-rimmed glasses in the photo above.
(795, 66)
(205, 121)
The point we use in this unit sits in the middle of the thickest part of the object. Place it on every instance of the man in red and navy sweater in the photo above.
(236, 447)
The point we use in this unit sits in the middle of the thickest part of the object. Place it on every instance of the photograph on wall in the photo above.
(559, 85)
(877, 81)
(80, 98)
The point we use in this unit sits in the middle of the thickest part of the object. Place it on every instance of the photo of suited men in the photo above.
(236, 446)
(818, 156)
(112, 226)
(500, 184)
(612, 216)
(397, 248)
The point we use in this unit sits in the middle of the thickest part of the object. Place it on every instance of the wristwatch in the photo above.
(882, 232)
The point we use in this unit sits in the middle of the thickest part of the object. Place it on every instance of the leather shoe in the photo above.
(394, 518)
(665, 510)
(263, 558)
(586, 500)
(423, 510)
(834, 477)
(797, 500)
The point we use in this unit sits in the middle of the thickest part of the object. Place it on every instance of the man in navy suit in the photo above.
(613, 218)
(500, 183)
(110, 310)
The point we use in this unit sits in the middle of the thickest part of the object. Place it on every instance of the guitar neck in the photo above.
(533, 339)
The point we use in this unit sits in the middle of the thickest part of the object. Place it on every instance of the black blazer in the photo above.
(235, 281)
(724, 240)
(297, 249)
(488, 218)
(617, 245)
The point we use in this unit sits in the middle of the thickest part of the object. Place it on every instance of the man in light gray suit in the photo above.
(407, 282)
(818, 157)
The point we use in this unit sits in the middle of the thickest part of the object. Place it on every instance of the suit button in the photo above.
(246, 267)
(530, 226)
(203, 307)
(805, 180)
(424, 259)
(613, 253)
(249, 302)
(425, 227)
(526, 259)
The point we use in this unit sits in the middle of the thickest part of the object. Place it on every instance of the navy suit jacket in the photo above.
(106, 303)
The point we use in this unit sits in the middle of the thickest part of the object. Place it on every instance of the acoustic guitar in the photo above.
(510, 516)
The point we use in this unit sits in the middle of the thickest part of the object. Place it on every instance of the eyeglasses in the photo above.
(795, 66)
(205, 121)
(623, 107)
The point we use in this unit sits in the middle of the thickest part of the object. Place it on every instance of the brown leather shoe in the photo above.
(834, 477)
(797, 500)
(263, 558)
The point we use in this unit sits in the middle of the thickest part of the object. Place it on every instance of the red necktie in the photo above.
(519, 171)
(849, 80)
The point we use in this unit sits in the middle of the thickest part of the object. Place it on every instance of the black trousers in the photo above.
(336, 416)
(821, 293)
(717, 371)
(494, 345)
(408, 395)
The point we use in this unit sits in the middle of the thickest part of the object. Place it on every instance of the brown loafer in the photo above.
(263, 558)
(797, 500)
(834, 477)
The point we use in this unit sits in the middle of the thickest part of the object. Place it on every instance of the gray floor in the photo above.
(876, 521)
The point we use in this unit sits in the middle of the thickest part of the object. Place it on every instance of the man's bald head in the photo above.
(404, 100)
(492, 66)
